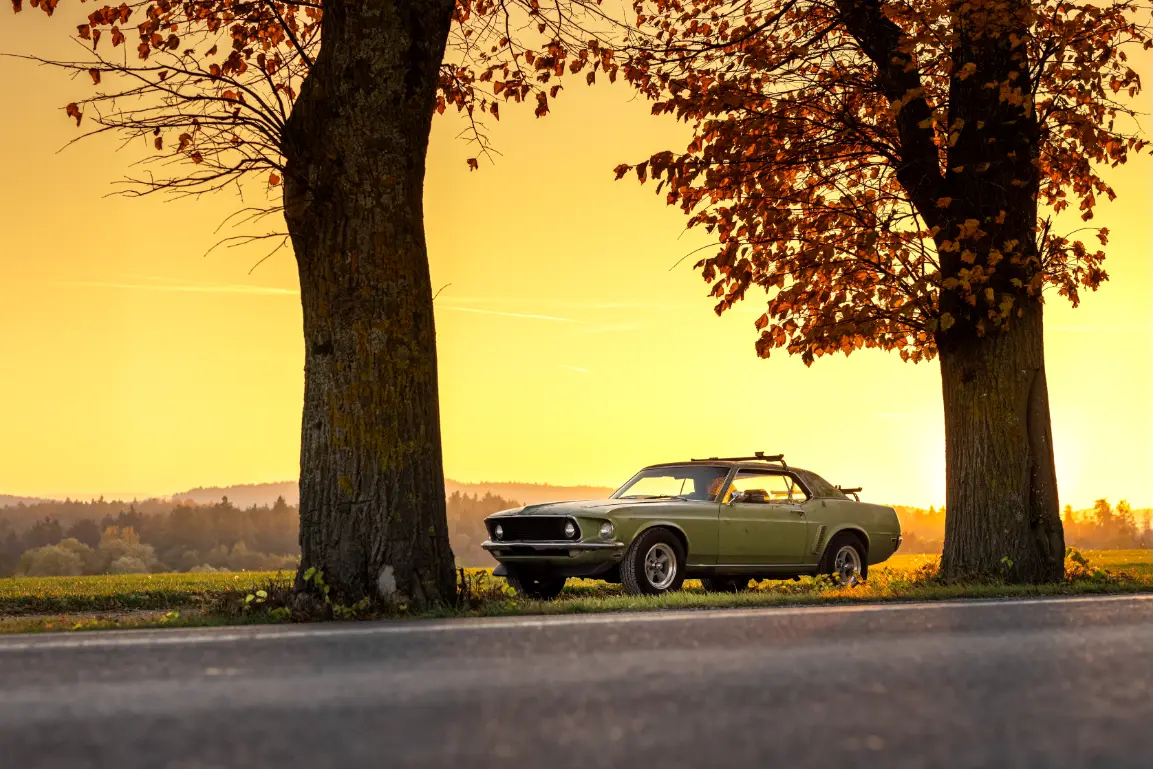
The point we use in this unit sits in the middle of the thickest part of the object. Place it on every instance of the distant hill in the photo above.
(10, 501)
(266, 493)
(528, 493)
(245, 495)
(249, 494)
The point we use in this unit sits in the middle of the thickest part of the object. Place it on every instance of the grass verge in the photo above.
(168, 600)
(125, 593)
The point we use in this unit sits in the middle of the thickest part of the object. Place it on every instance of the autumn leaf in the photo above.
(95, 75)
(72, 110)
(273, 179)
(473, 165)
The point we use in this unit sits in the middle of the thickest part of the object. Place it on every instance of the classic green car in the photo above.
(722, 520)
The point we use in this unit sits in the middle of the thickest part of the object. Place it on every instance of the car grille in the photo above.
(532, 529)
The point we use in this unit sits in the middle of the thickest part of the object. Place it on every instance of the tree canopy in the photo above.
(213, 82)
(857, 159)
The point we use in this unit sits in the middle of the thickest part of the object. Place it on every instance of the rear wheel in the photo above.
(724, 584)
(654, 564)
(844, 560)
(541, 589)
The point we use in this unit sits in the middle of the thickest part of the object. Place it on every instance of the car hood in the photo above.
(578, 507)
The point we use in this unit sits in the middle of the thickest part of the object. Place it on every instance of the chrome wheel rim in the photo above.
(847, 566)
(660, 566)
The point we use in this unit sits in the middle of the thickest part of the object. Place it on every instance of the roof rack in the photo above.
(759, 457)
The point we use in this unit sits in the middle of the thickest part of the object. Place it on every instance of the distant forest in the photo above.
(1101, 527)
(46, 538)
(66, 538)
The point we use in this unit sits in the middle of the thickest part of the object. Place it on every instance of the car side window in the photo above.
(760, 487)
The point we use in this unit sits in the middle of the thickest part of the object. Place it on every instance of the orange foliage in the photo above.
(876, 167)
(222, 75)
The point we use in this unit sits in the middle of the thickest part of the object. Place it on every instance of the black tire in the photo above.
(540, 589)
(829, 564)
(668, 549)
(724, 584)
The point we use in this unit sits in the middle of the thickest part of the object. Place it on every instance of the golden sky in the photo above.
(571, 348)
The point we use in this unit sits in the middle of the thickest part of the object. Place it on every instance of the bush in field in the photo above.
(121, 552)
(240, 558)
(66, 559)
(127, 564)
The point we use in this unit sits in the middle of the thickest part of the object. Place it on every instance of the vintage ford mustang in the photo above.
(722, 520)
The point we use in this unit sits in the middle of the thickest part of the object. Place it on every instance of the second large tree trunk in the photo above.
(372, 508)
(1001, 490)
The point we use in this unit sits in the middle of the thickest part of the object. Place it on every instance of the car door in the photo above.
(762, 520)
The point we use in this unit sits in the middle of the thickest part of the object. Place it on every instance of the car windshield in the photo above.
(699, 482)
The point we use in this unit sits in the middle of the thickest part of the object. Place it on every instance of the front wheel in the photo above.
(544, 589)
(654, 565)
(844, 560)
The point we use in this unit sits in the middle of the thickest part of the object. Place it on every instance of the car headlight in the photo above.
(497, 531)
(569, 529)
(607, 530)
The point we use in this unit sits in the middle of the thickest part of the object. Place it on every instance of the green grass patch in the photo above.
(142, 600)
(1137, 561)
(123, 592)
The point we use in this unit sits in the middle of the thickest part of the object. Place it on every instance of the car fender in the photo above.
(662, 524)
(851, 527)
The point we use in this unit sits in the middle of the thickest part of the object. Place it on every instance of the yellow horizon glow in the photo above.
(574, 345)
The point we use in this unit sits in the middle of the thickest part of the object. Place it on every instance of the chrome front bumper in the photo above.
(552, 544)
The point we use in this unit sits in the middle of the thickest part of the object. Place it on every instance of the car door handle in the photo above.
(798, 510)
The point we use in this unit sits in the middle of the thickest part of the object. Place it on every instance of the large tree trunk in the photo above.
(1001, 489)
(1002, 515)
(372, 508)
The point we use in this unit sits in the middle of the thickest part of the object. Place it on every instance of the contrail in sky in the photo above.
(186, 288)
(508, 314)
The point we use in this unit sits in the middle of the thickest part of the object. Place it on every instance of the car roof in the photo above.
(816, 485)
(760, 464)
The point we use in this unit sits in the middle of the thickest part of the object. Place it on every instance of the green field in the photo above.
(1138, 561)
(128, 600)
(122, 592)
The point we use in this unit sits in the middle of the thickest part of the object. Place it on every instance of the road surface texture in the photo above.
(1028, 683)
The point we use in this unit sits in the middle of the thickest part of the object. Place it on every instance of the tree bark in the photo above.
(1002, 517)
(1001, 488)
(372, 508)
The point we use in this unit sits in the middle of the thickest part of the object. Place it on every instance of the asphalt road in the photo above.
(1047, 683)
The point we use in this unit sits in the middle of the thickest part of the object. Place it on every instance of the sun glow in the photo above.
(576, 342)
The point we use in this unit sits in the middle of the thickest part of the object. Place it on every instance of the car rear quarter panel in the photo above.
(877, 523)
